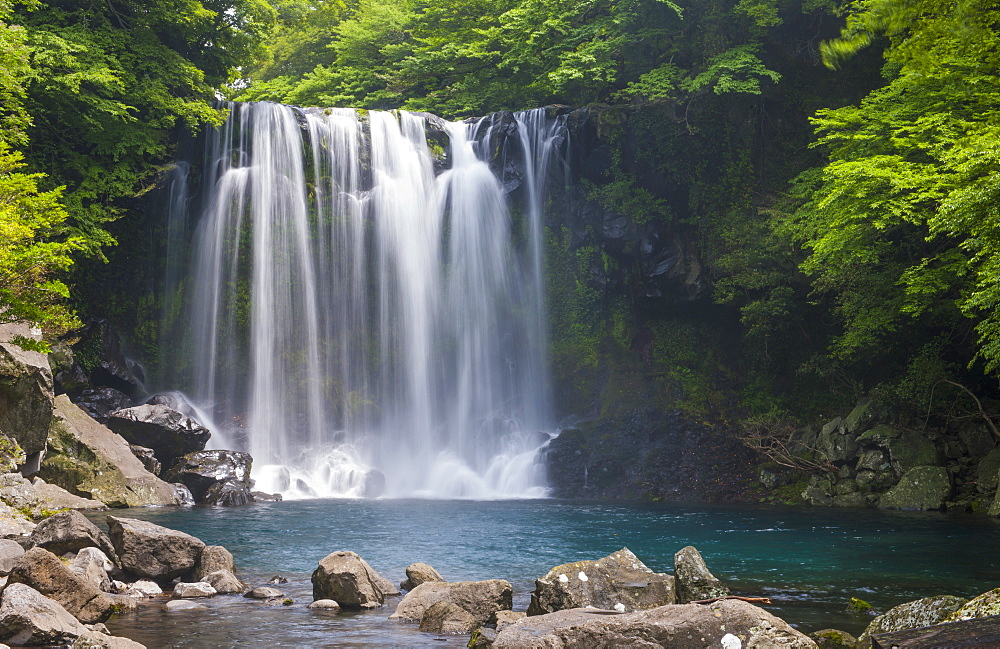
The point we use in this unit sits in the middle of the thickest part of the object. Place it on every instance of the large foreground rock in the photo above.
(29, 618)
(693, 579)
(619, 581)
(985, 605)
(152, 551)
(25, 391)
(480, 599)
(69, 531)
(171, 434)
(215, 477)
(684, 626)
(912, 615)
(88, 459)
(47, 574)
(348, 579)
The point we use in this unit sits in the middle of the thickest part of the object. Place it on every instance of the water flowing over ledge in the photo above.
(358, 299)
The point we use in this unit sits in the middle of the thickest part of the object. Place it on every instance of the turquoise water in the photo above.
(809, 561)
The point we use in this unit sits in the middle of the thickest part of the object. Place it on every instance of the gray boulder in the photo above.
(10, 552)
(445, 617)
(69, 531)
(911, 449)
(348, 579)
(152, 551)
(693, 579)
(984, 605)
(683, 626)
(912, 615)
(213, 558)
(264, 592)
(418, 573)
(93, 566)
(481, 599)
(29, 618)
(224, 582)
(619, 581)
(215, 477)
(183, 605)
(324, 605)
(171, 434)
(47, 574)
(834, 639)
(923, 487)
(193, 590)
(25, 391)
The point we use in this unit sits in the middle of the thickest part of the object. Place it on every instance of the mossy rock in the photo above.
(860, 418)
(834, 639)
(912, 449)
(879, 435)
(913, 615)
(11, 454)
(923, 487)
(983, 605)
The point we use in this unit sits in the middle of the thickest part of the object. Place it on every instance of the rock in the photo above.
(93, 566)
(212, 559)
(912, 449)
(860, 418)
(124, 603)
(854, 499)
(224, 582)
(836, 444)
(44, 572)
(215, 477)
(93, 640)
(324, 605)
(109, 366)
(143, 589)
(88, 459)
(264, 592)
(445, 617)
(387, 587)
(692, 579)
(983, 605)
(994, 509)
(418, 573)
(10, 552)
(99, 403)
(261, 497)
(54, 498)
(39, 498)
(482, 638)
(184, 605)
(987, 471)
(923, 487)
(506, 618)
(481, 599)
(183, 494)
(25, 391)
(818, 492)
(29, 618)
(147, 458)
(151, 551)
(191, 590)
(682, 626)
(169, 433)
(13, 523)
(349, 580)
(978, 440)
(619, 578)
(12, 456)
(911, 615)
(834, 639)
(69, 531)
(980, 633)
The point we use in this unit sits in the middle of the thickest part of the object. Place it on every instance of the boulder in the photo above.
(224, 582)
(69, 531)
(10, 552)
(29, 618)
(215, 477)
(984, 605)
(987, 471)
(682, 626)
(147, 458)
(191, 590)
(213, 558)
(38, 498)
(12, 456)
(25, 391)
(860, 419)
(88, 459)
(44, 572)
(445, 617)
(324, 605)
(506, 618)
(171, 434)
(912, 449)
(481, 599)
(184, 605)
(618, 580)
(348, 579)
(418, 573)
(978, 440)
(692, 578)
(143, 589)
(184, 497)
(923, 487)
(13, 523)
(834, 639)
(264, 592)
(149, 550)
(99, 403)
(835, 443)
(93, 566)
(911, 615)
(52, 497)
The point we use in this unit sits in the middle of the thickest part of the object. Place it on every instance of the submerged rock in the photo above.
(480, 599)
(348, 579)
(693, 579)
(726, 623)
(616, 581)
(152, 551)
(834, 639)
(324, 605)
(171, 434)
(264, 592)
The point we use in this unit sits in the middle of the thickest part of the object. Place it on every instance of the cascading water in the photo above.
(360, 312)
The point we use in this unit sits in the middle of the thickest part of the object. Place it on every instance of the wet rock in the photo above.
(215, 477)
(264, 592)
(349, 580)
(183, 494)
(482, 638)
(324, 605)
(445, 617)
(912, 615)
(682, 626)
(99, 403)
(923, 487)
(984, 605)
(224, 582)
(171, 434)
(10, 552)
(93, 566)
(212, 559)
(418, 573)
(481, 599)
(618, 579)
(44, 572)
(25, 391)
(151, 551)
(692, 578)
(69, 531)
(193, 590)
(261, 497)
(29, 618)
(834, 639)
(90, 460)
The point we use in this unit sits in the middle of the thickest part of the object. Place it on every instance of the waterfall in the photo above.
(359, 306)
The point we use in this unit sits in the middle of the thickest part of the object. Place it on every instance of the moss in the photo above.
(860, 607)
